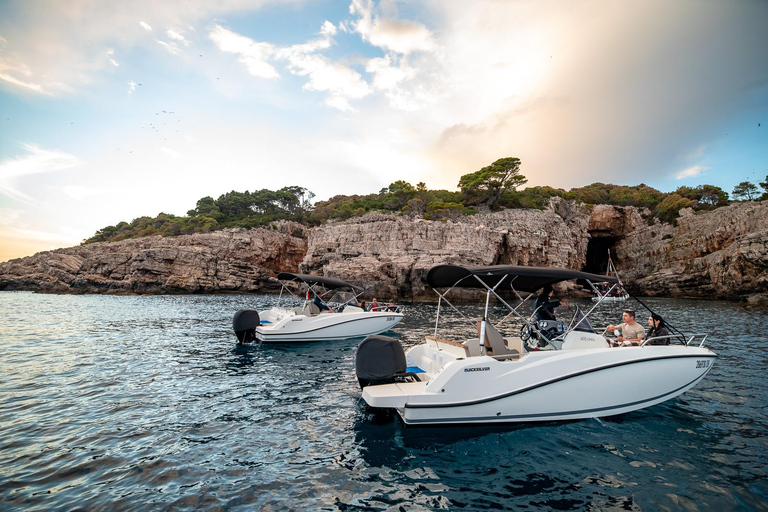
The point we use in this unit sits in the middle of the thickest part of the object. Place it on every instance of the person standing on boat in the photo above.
(632, 333)
(545, 304)
(658, 329)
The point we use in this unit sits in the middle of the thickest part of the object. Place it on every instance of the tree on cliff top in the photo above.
(489, 183)
(745, 191)
(707, 197)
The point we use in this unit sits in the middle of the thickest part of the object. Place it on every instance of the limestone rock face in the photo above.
(608, 221)
(390, 255)
(717, 254)
(223, 261)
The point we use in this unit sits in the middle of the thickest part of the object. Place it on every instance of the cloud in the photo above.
(10, 71)
(58, 50)
(341, 82)
(172, 34)
(590, 91)
(393, 75)
(253, 55)
(391, 34)
(38, 161)
(110, 52)
(691, 171)
(328, 29)
(131, 87)
(172, 48)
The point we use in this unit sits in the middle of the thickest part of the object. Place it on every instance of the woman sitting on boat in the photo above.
(658, 329)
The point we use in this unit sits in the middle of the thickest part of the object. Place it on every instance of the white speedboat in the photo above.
(488, 379)
(316, 319)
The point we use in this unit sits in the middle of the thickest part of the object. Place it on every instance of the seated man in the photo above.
(545, 304)
(632, 333)
(320, 304)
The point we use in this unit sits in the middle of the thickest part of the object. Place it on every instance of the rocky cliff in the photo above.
(719, 254)
(391, 254)
(219, 262)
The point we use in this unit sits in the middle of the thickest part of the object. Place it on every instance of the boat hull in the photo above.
(285, 326)
(547, 386)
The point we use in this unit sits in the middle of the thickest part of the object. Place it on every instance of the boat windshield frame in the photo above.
(499, 277)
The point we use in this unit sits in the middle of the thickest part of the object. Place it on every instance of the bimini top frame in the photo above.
(525, 279)
(498, 277)
(314, 282)
(310, 280)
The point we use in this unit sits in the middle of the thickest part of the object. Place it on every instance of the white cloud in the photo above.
(10, 72)
(110, 52)
(328, 29)
(172, 48)
(387, 76)
(691, 171)
(38, 161)
(172, 34)
(326, 75)
(400, 36)
(131, 87)
(145, 26)
(252, 54)
(340, 81)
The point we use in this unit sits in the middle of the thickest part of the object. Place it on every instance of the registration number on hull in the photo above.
(703, 363)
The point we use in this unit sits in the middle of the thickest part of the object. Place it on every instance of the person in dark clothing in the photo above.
(545, 304)
(658, 328)
(320, 304)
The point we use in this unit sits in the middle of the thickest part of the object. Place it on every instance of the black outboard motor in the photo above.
(380, 360)
(245, 323)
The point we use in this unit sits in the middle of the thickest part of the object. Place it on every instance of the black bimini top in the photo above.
(309, 279)
(526, 279)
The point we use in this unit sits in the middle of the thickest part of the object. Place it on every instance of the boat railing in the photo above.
(687, 342)
(389, 308)
(694, 336)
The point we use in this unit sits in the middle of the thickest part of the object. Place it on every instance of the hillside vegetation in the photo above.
(491, 188)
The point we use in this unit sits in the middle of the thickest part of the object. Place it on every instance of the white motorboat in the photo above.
(316, 319)
(578, 373)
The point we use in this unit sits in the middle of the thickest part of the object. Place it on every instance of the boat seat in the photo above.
(310, 309)
(494, 342)
(440, 344)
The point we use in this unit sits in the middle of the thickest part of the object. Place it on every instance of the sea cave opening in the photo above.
(597, 254)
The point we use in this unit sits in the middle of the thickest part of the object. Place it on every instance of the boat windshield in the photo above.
(344, 298)
(580, 322)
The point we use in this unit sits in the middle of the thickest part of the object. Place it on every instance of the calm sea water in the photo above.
(137, 403)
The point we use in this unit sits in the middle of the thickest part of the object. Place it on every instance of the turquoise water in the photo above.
(137, 403)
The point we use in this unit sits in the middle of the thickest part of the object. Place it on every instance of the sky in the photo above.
(115, 110)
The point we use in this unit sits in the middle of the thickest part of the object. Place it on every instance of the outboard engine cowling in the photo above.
(245, 323)
(379, 360)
